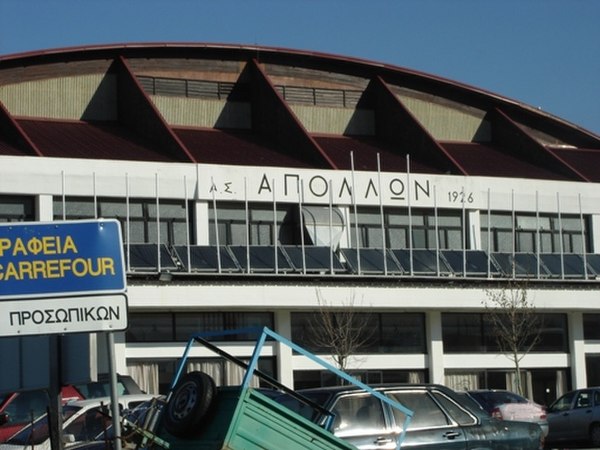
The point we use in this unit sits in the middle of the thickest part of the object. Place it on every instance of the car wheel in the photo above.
(595, 435)
(190, 401)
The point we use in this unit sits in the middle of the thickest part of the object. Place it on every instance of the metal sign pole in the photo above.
(55, 417)
(114, 400)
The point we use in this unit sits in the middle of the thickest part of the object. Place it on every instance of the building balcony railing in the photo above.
(318, 260)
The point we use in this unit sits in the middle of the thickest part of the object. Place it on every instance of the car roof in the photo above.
(124, 400)
(403, 386)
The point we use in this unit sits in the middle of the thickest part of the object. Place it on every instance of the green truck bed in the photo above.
(241, 417)
(246, 419)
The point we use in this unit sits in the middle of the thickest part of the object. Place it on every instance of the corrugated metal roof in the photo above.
(364, 151)
(7, 149)
(585, 161)
(485, 160)
(87, 140)
(278, 137)
(211, 146)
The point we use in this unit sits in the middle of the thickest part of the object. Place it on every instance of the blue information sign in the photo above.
(54, 259)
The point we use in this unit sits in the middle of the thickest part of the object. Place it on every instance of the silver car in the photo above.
(575, 418)
(440, 420)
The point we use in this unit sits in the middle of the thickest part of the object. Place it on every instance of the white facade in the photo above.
(50, 180)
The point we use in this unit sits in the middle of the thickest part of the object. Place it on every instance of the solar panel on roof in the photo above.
(371, 261)
(593, 262)
(524, 264)
(424, 261)
(569, 265)
(203, 258)
(316, 259)
(262, 258)
(144, 257)
(477, 262)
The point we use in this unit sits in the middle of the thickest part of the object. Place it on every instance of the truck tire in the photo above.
(191, 400)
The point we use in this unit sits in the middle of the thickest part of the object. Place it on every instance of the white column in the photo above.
(474, 231)
(44, 208)
(200, 214)
(435, 347)
(595, 233)
(577, 350)
(285, 363)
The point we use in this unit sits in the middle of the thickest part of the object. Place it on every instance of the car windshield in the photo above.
(26, 406)
(32, 434)
(563, 403)
(37, 432)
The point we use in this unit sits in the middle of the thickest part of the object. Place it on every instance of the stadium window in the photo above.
(397, 227)
(529, 229)
(16, 209)
(138, 218)
(232, 224)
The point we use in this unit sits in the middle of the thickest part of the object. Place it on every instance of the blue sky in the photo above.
(545, 53)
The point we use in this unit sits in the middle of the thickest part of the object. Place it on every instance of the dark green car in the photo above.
(441, 419)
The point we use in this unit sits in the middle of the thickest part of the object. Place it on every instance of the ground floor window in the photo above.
(166, 327)
(543, 386)
(304, 379)
(592, 365)
(383, 332)
(155, 376)
(470, 333)
(591, 330)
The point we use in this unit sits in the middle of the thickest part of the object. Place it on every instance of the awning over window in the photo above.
(324, 225)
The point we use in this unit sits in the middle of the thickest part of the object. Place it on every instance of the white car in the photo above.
(83, 421)
(507, 405)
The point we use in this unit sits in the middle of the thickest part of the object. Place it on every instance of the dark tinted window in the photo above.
(563, 403)
(591, 328)
(383, 332)
(161, 327)
(470, 332)
(583, 399)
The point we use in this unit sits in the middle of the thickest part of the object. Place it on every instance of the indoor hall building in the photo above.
(260, 186)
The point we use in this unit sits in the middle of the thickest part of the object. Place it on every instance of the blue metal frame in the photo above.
(252, 365)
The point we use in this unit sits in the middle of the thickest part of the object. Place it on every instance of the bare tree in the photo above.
(340, 330)
(515, 324)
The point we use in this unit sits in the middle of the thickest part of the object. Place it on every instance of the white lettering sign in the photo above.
(63, 315)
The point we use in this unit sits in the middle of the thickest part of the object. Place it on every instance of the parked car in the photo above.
(17, 409)
(83, 421)
(441, 420)
(101, 388)
(507, 405)
(575, 418)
